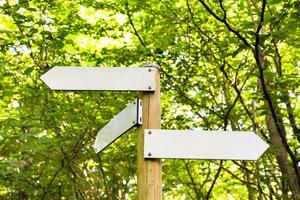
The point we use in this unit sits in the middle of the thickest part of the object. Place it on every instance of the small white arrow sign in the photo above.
(100, 78)
(194, 144)
(120, 124)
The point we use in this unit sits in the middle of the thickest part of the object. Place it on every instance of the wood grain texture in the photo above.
(149, 170)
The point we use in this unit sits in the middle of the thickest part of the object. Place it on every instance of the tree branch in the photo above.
(214, 181)
(10, 6)
(190, 100)
(257, 33)
(182, 181)
(225, 22)
(53, 178)
(286, 99)
(238, 92)
(28, 45)
(194, 185)
(103, 175)
(133, 26)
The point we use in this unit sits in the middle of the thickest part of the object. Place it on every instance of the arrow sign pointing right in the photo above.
(193, 144)
(100, 78)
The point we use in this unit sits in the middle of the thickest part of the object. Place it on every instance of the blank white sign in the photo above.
(120, 124)
(100, 78)
(194, 144)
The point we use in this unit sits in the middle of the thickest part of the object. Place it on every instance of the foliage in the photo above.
(225, 65)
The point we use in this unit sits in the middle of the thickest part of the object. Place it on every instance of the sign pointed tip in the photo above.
(257, 145)
(263, 147)
(45, 79)
(95, 149)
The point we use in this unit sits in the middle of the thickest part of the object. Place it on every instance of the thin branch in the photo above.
(224, 11)
(214, 181)
(238, 92)
(182, 181)
(190, 100)
(259, 27)
(286, 99)
(257, 175)
(192, 180)
(277, 23)
(31, 54)
(225, 22)
(291, 117)
(234, 175)
(103, 175)
(202, 34)
(143, 43)
(10, 6)
(53, 178)
(277, 58)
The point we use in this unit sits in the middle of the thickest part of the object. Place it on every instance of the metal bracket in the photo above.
(140, 112)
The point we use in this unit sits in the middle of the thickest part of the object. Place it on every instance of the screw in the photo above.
(149, 70)
(149, 87)
(133, 122)
(149, 132)
(149, 154)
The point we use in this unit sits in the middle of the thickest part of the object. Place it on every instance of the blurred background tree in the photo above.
(225, 65)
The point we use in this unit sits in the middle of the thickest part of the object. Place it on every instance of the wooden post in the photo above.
(149, 170)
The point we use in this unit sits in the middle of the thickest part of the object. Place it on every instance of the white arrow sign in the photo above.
(100, 78)
(120, 124)
(193, 144)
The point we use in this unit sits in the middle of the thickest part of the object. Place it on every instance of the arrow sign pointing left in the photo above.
(100, 78)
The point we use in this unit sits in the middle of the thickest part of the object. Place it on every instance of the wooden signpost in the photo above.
(153, 143)
(149, 170)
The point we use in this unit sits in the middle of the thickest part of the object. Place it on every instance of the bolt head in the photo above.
(149, 154)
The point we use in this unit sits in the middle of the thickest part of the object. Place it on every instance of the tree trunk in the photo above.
(289, 178)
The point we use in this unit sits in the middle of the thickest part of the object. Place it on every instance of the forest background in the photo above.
(225, 65)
